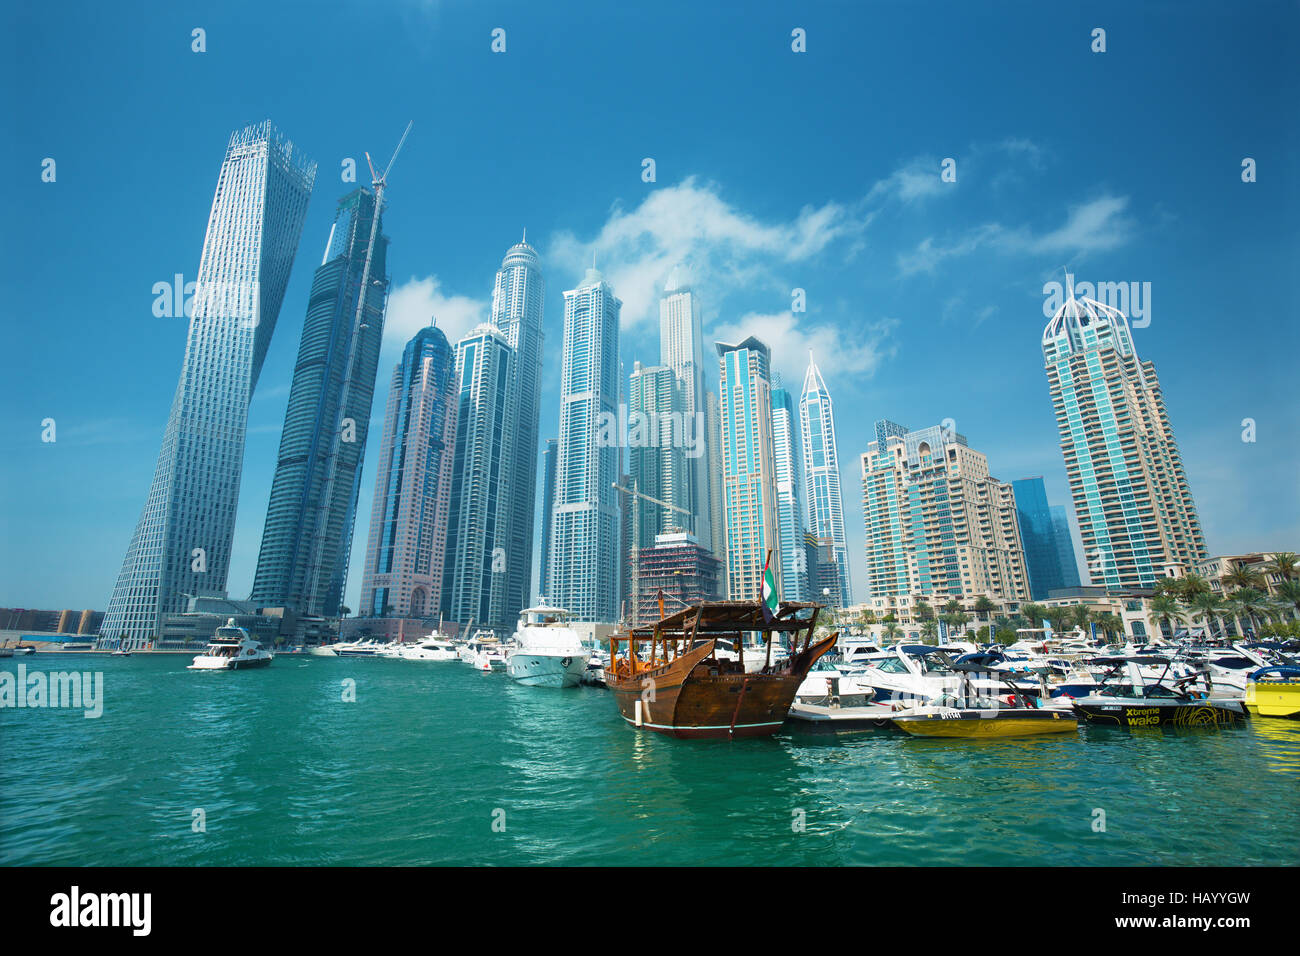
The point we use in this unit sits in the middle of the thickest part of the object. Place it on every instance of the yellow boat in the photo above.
(1274, 692)
(972, 722)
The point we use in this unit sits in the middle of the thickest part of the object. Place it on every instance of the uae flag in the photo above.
(767, 596)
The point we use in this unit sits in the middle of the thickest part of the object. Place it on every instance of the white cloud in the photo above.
(837, 350)
(1098, 224)
(691, 223)
(413, 303)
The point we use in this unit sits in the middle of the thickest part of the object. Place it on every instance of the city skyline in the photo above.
(901, 270)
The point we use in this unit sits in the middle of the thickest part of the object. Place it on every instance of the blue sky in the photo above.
(775, 170)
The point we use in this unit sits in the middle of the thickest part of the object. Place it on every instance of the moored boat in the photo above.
(684, 689)
(1274, 692)
(971, 715)
(546, 652)
(1126, 697)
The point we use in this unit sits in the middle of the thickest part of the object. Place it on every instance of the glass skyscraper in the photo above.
(788, 450)
(748, 468)
(182, 541)
(307, 539)
(584, 553)
(406, 546)
(821, 474)
(517, 298)
(1045, 533)
(681, 348)
(549, 457)
(478, 532)
(1136, 514)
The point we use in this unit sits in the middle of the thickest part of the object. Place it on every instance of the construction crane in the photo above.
(635, 492)
(310, 582)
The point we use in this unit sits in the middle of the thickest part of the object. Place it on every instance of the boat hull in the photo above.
(693, 697)
(1273, 699)
(545, 670)
(203, 664)
(1141, 714)
(971, 724)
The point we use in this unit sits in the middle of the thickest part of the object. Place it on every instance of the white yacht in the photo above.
(432, 648)
(232, 648)
(547, 652)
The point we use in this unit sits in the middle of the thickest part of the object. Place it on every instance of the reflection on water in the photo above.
(429, 756)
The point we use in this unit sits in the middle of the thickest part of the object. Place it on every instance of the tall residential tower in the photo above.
(821, 474)
(182, 541)
(307, 538)
(584, 553)
(1136, 514)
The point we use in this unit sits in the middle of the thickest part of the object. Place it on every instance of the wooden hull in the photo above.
(695, 697)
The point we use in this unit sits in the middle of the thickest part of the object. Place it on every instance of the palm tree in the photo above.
(1285, 564)
(1242, 578)
(930, 631)
(1167, 587)
(1254, 604)
(1231, 609)
(1082, 616)
(921, 609)
(891, 630)
(1289, 590)
(1061, 618)
(1166, 610)
(1034, 614)
(1209, 606)
(1109, 624)
(1190, 585)
(983, 606)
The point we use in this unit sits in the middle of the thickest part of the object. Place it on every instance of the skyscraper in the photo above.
(1045, 534)
(748, 467)
(657, 461)
(517, 299)
(478, 533)
(821, 473)
(406, 547)
(788, 450)
(181, 544)
(548, 502)
(937, 524)
(1136, 514)
(717, 542)
(681, 348)
(584, 551)
(307, 538)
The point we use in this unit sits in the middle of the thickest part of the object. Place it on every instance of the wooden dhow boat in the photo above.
(671, 679)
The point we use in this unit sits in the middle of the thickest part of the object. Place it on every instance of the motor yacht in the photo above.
(1128, 697)
(432, 648)
(232, 648)
(547, 651)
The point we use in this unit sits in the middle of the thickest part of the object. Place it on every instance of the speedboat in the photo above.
(430, 649)
(357, 649)
(232, 648)
(547, 651)
(1274, 692)
(1127, 697)
(972, 715)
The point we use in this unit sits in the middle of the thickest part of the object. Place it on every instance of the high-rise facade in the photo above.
(657, 461)
(406, 547)
(307, 538)
(584, 575)
(549, 457)
(1045, 534)
(1137, 518)
(937, 524)
(517, 299)
(821, 473)
(748, 467)
(787, 453)
(681, 348)
(182, 541)
(478, 521)
(717, 540)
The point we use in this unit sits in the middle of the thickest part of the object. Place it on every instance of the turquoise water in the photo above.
(417, 770)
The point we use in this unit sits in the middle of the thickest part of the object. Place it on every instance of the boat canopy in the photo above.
(1277, 670)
